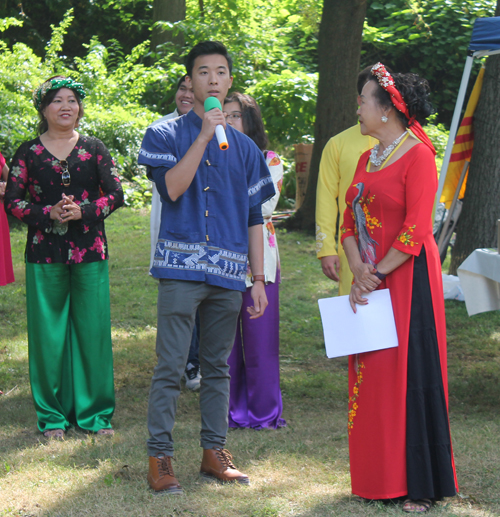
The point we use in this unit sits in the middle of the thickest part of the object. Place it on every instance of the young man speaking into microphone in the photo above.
(210, 226)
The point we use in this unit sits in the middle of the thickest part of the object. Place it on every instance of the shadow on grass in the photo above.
(300, 470)
(113, 481)
(17, 424)
(352, 505)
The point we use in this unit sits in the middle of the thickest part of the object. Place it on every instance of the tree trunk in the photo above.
(167, 11)
(339, 49)
(477, 226)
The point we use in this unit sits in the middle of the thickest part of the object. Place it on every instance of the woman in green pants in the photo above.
(63, 185)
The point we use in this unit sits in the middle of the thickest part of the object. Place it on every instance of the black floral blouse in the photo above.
(94, 184)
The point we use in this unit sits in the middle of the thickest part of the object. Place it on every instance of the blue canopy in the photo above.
(485, 34)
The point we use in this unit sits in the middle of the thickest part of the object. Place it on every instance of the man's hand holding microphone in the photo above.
(178, 179)
(214, 121)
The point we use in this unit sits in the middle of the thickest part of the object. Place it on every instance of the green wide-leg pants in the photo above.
(69, 344)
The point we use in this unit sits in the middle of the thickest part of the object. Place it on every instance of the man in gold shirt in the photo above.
(336, 171)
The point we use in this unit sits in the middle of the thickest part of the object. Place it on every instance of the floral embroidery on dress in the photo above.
(35, 190)
(406, 237)
(249, 272)
(343, 229)
(56, 165)
(371, 221)
(271, 235)
(60, 228)
(99, 246)
(85, 199)
(102, 204)
(75, 254)
(20, 171)
(37, 149)
(15, 171)
(84, 155)
(36, 173)
(280, 185)
(20, 211)
(320, 237)
(38, 237)
(353, 398)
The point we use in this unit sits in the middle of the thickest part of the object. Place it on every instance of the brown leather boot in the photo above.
(217, 464)
(161, 475)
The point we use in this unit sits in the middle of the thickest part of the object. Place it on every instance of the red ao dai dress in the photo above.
(399, 438)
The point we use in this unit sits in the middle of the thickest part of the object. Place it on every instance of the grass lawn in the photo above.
(301, 470)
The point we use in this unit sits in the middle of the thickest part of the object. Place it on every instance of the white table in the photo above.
(480, 280)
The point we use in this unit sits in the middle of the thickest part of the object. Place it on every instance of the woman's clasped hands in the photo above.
(365, 282)
(66, 210)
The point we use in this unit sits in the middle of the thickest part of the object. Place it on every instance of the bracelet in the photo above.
(379, 275)
(256, 278)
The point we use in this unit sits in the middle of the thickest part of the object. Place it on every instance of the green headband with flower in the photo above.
(55, 84)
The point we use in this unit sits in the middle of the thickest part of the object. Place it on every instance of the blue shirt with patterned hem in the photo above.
(204, 233)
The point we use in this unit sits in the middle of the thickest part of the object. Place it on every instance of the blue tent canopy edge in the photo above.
(485, 34)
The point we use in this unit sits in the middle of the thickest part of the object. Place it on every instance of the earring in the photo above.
(384, 119)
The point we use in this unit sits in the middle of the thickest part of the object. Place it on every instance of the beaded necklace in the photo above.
(378, 161)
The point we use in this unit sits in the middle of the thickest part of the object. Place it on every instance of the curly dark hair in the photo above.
(43, 125)
(415, 92)
(253, 126)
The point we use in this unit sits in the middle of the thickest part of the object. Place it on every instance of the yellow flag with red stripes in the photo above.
(462, 148)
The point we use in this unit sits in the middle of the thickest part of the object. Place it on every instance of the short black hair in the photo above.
(180, 81)
(207, 48)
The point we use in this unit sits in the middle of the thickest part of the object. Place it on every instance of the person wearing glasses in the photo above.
(255, 395)
(63, 185)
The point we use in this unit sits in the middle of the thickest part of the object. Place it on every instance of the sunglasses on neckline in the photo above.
(65, 176)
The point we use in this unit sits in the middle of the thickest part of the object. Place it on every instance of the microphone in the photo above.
(210, 104)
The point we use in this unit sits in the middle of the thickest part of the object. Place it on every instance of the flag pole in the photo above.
(454, 124)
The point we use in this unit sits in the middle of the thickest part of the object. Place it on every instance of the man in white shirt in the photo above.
(184, 100)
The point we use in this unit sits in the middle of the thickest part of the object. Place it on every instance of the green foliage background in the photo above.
(427, 37)
(273, 42)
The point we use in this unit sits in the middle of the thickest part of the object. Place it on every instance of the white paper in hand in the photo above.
(371, 328)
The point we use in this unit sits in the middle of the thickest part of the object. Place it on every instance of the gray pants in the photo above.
(178, 301)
